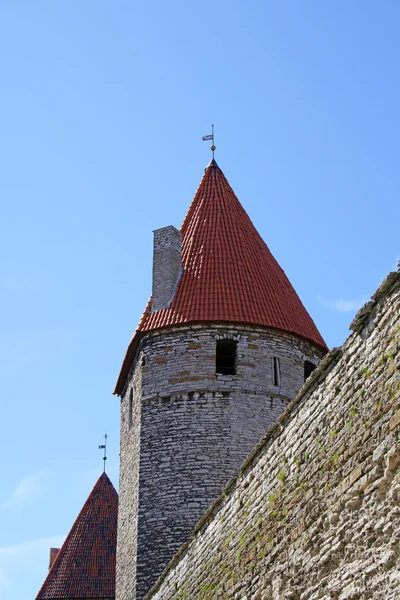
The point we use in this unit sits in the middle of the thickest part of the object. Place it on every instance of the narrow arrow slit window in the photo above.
(130, 409)
(276, 374)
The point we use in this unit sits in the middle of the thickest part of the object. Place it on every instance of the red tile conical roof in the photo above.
(85, 565)
(229, 273)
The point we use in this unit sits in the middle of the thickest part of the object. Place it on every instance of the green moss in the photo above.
(352, 412)
(334, 458)
(281, 476)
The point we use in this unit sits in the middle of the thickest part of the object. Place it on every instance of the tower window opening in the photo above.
(226, 357)
(308, 369)
(130, 409)
(276, 371)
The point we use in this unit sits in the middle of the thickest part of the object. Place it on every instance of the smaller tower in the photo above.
(84, 567)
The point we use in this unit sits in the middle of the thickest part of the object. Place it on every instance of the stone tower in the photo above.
(222, 347)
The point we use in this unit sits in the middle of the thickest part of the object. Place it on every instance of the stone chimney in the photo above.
(167, 265)
(53, 556)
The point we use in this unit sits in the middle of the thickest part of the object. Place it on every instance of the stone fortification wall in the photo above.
(185, 430)
(315, 511)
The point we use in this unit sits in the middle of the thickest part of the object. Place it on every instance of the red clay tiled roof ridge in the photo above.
(229, 273)
(85, 564)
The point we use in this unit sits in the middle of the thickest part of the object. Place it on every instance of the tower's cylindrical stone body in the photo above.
(186, 429)
(206, 374)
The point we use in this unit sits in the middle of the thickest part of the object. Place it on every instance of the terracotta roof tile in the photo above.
(229, 273)
(85, 565)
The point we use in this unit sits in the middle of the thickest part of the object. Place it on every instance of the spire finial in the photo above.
(210, 137)
(104, 447)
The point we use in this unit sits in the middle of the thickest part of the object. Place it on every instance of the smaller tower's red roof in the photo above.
(85, 565)
(229, 274)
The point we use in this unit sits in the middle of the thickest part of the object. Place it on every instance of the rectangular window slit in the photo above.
(277, 372)
(130, 409)
(226, 357)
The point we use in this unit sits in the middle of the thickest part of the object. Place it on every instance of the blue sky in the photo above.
(103, 106)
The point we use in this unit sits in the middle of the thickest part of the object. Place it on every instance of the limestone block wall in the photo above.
(183, 359)
(190, 431)
(128, 487)
(315, 512)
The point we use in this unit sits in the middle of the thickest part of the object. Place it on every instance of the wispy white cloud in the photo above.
(29, 558)
(342, 304)
(27, 492)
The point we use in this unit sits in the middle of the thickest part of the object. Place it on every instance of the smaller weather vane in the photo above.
(205, 138)
(104, 447)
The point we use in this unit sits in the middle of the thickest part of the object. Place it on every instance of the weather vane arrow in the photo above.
(104, 447)
(205, 138)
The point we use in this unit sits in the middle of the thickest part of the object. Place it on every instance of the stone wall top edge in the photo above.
(390, 284)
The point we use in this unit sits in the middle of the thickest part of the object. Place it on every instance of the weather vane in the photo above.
(210, 137)
(104, 447)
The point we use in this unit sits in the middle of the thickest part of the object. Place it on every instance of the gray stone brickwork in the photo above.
(128, 487)
(167, 265)
(314, 513)
(190, 430)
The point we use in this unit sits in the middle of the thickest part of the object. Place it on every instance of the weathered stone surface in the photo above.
(191, 430)
(167, 265)
(315, 512)
(129, 482)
